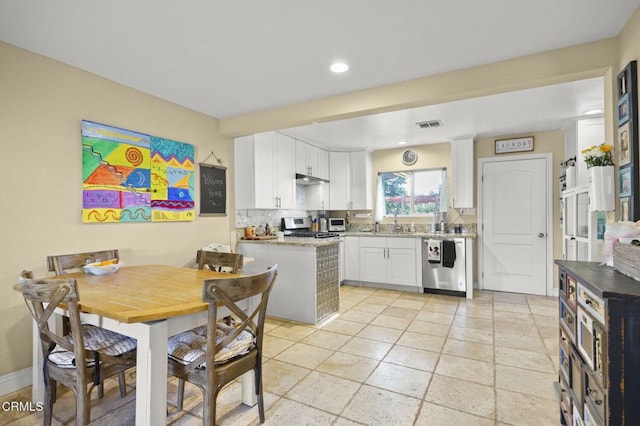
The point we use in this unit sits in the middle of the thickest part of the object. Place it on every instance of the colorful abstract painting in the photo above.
(133, 177)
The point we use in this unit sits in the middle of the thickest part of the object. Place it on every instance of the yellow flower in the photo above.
(598, 155)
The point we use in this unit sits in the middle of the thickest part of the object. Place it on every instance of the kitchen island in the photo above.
(307, 287)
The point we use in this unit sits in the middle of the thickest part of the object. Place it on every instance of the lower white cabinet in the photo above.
(388, 260)
(351, 259)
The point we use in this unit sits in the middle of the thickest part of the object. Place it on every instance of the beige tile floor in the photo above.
(389, 358)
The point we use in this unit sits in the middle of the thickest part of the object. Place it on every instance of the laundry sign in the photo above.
(504, 146)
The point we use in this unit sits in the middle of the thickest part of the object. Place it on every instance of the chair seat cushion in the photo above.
(95, 339)
(188, 346)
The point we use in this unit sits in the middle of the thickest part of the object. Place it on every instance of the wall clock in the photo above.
(409, 157)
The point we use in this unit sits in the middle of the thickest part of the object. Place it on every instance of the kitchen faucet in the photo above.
(395, 222)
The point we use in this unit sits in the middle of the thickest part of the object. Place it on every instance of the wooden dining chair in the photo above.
(77, 360)
(216, 260)
(65, 263)
(211, 356)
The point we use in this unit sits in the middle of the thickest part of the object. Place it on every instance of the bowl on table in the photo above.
(102, 268)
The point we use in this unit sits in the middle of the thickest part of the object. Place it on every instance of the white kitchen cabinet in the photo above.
(264, 171)
(373, 259)
(311, 160)
(462, 173)
(580, 233)
(339, 180)
(350, 186)
(351, 259)
(341, 261)
(388, 260)
(361, 181)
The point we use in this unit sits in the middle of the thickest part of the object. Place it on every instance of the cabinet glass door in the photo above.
(570, 215)
(582, 215)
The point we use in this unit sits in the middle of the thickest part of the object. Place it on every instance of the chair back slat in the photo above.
(61, 264)
(228, 291)
(53, 292)
(216, 260)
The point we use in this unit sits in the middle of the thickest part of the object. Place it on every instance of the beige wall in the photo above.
(629, 51)
(42, 105)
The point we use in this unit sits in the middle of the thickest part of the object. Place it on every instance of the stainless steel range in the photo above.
(301, 227)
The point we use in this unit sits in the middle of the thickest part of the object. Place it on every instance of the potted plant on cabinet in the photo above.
(601, 176)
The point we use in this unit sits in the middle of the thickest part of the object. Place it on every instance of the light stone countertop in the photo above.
(410, 234)
(319, 242)
(295, 241)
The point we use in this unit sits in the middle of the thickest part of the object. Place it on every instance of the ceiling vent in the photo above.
(429, 124)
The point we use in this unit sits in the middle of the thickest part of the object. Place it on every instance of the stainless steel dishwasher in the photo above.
(437, 278)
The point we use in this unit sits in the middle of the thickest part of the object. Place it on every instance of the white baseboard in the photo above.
(15, 381)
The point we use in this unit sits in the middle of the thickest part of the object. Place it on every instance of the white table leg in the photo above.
(248, 389)
(151, 374)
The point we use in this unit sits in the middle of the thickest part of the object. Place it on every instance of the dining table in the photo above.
(149, 303)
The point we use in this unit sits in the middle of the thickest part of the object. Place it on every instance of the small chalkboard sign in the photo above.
(213, 190)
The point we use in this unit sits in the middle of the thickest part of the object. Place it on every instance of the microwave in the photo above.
(337, 224)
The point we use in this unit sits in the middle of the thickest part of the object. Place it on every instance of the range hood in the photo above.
(309, 180)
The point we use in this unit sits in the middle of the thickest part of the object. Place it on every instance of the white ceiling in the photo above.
(532, 110)
(227, 58)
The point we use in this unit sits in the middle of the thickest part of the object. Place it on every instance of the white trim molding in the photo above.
(15, 381)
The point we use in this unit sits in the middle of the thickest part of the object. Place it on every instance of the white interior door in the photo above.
(514, 225)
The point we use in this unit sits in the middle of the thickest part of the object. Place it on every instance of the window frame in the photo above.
(412, 172)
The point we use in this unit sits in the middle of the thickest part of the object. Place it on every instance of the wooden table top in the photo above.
(143, 293)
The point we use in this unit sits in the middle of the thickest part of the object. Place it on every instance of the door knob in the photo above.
(541, 235)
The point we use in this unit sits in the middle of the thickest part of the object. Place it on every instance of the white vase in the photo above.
(570, 174)
(601, 181)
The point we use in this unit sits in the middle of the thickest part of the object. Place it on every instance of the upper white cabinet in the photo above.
(311, 160)
(264, 171)
(462, 173)
(361, 181)
(339, 180)
(350, 181)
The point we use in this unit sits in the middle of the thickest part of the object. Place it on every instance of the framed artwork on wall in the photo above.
(628, 153)
(624, 182)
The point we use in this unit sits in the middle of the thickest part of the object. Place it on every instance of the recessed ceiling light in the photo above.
(339, 67)
(593, 112)
(402, 143)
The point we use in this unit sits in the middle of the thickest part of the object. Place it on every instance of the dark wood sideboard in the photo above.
(599, 377)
